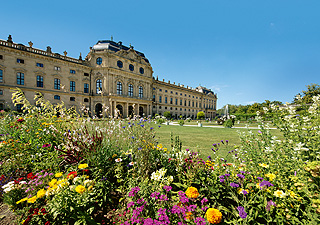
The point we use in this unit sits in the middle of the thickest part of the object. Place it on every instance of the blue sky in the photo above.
(244, 50)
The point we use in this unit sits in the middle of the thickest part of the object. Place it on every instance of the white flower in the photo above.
(87, 182)
(118, 160)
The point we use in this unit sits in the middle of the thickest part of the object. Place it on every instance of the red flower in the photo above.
(169, 159)
(47, 223)
(20, 120)
(74, 173)
(30, 175)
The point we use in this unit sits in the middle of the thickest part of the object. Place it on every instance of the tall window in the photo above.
(1, 76)
(130, 90)
(176, 101)
(39, 81)
(72, 86)
(20, 78)
(160, 99)
(86, 88)
(140, 92)
(180, 101)
(98, 86)
(170, 100)
(57, 83)
(119, 88)
(165, 100)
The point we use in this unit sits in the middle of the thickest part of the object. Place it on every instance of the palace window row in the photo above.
(130, 89)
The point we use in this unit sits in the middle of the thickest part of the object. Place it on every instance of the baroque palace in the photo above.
(111, 76)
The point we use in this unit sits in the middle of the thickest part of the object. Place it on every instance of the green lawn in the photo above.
(201, 138)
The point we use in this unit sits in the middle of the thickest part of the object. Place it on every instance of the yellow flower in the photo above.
(263, 165)
(214, 216)
(279, 194)
(83, 166)
(32, 199)
(41, 193)
(53, 182)
(80, 189)
(192, 192)
(22, 200)
(90, 188)
(271, 176)
(292, 194)
(58, 175)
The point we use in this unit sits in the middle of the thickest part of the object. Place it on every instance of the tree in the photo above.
(167, 115)
(200, 115)
(313, 90)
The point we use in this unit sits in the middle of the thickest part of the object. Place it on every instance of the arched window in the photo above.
(98, 86)
(119, 88)
(140, 92)
(130, 90)
(99, 61)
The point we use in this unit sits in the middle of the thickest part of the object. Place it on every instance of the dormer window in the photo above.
(99, 61)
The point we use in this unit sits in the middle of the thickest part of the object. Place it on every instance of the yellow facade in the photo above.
(112, 80)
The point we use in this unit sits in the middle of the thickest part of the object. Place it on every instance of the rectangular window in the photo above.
(1, 56)
(39, 64)
(1, 76)
(20, 61)
(39, 81)
(72, 99)
(86, 88)
(180, 101)
(86, 74)
(57, 97)
(57, 83)
(73, 71)
(165, 100)
(20, 78)
(153, 97)
(170, 100)
(57, 68)
(1, 92)
(176, 101)
(160, 99)
(72, 86)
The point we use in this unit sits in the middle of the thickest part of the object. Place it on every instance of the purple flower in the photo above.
(167, 188)
(221, 180)
(234, 184)
(269, 204)
(148, 221)
(133, 191)
(265, 183)
(151, 128)
(142, 125)
(244, 192)
(191, 208)
(203, 201)
(163, 198)
(259, 178)
(124, 127)
(183, 198)
(227, 175)
(221, 177)
(130, 204)
(259, 131)
(200, 221)
(155, 195)
(240, 176)
(46, 145)
(242, 213)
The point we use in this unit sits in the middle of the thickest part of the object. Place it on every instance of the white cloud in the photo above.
(217, 88)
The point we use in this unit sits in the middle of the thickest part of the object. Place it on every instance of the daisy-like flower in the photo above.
(118, 160)
(280, 194)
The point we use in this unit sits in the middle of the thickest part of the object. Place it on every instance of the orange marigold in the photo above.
(192, 192)
(214, 216)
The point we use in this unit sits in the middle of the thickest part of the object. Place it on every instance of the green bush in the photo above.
(167, 115)
(200, 115)
(228, 123)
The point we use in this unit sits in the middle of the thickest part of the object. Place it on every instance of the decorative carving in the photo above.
(49, 49)
(10, 39)
(65, 53)
(30, 44)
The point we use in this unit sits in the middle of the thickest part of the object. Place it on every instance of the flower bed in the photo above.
(75, 170)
